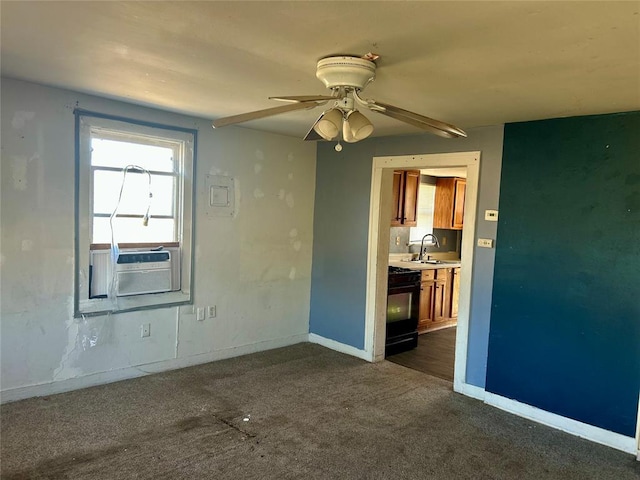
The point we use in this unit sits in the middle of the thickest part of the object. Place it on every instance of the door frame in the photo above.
(378, 248)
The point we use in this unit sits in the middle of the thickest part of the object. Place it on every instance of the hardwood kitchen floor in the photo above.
(434, 355)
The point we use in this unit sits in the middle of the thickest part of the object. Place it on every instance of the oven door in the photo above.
(403, 303)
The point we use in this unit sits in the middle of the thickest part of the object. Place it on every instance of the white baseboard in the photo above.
(469, 390)
(101, 378)
(574, 427)
(341, 347)
(638, 431)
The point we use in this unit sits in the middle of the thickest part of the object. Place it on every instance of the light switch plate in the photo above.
(491, 215)
(485, 242)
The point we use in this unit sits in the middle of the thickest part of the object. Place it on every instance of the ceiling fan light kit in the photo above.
(329, 124)
(359, 125)
(347, 134)
(346, 77)
(353, 125)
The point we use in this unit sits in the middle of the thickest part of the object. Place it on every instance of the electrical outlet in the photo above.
(485, 242)
(200, 314)
(211, 311)
(145, 330)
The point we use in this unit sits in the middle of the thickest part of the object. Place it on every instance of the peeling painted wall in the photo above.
(255, 266)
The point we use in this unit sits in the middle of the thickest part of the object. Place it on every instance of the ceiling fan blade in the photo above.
(312, 134)
(425, 123)
(304, 98)
(415, 123)
(245, 117)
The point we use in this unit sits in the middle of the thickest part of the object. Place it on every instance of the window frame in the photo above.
(87, 122)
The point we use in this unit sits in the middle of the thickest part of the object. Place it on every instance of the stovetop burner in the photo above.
(393, 270)
(403, 276)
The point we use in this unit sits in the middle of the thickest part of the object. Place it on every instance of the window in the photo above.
(426, 201)
(134, 198)
(145, 200)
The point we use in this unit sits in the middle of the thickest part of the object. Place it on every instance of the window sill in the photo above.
(104, 306)
(107, 246)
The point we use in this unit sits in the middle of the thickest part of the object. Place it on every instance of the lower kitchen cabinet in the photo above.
(439, 291)
(455, 291)
(427, 299)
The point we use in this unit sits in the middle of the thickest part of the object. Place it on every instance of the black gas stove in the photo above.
(403, 303)
(403, 276)
(396, 270)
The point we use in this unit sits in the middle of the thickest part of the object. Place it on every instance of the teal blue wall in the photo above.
(341, 227)
(565, 319)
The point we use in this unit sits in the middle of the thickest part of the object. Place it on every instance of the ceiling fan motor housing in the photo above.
(354, 72)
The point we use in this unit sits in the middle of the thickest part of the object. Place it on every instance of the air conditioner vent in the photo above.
(143, 272)
(138, 272)
(143, 257)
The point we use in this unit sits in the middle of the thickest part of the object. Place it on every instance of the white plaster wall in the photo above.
(255, 266)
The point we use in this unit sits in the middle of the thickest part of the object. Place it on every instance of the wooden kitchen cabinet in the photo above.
(427, 298)
(448, 210)
(440, 310)
(439, 290)
(455, 291)
(405, 198)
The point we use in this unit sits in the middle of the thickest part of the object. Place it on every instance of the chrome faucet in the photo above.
(421, 256)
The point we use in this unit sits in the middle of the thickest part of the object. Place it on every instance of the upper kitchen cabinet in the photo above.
(449, 203)
(405, 198)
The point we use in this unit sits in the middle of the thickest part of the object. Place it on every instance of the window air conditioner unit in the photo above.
(143, 272)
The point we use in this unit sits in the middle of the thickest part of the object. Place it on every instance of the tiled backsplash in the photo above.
(398, 240)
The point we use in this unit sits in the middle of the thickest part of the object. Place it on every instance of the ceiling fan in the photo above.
(346, 77)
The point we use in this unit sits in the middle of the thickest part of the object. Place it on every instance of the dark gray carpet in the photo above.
(302, 412)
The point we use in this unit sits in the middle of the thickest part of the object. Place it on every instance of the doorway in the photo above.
(378, 252)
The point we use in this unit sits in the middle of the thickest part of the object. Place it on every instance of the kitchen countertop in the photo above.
(424, 266)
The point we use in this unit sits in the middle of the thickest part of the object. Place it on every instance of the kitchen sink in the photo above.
(435, 262)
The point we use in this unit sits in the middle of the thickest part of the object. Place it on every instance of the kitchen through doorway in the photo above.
(425, 239)
(446, 341)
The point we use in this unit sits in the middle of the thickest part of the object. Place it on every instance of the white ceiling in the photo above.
(466, 63)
